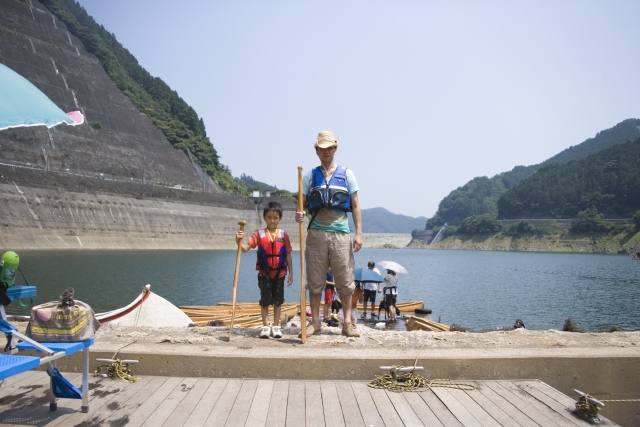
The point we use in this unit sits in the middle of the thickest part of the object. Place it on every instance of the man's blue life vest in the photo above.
(332, 195)
(271, 255)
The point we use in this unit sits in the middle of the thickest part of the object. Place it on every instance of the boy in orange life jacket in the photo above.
(274, 260)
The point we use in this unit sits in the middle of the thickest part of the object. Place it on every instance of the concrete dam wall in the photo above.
(36, 45)
(57, 186)
(40, 217)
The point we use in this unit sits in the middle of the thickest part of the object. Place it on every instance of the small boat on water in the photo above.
(148, 309)
(404, 307)
(419, 324)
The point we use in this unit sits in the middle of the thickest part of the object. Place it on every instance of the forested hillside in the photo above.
(255, 185)
(480, 195)
(170, 113)
(608, 180)
(380, 220)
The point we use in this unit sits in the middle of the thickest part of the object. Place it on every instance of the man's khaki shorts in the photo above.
(326, 249)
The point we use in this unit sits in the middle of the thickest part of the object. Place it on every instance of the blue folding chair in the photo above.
(10, 364)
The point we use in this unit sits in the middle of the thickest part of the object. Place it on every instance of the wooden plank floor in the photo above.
(173, 401)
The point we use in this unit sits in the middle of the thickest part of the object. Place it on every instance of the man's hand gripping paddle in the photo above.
(235, 279)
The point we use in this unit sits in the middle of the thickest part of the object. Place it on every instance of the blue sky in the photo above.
(422, 95)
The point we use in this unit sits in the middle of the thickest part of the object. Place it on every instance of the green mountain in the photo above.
(380, 220)
(608, 180)
(254, 184)
(480, 195)
(171, 114)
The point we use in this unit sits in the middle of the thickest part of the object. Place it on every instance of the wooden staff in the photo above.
(303, 294)
(235, 279)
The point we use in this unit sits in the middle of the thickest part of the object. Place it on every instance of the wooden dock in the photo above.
(174, 401)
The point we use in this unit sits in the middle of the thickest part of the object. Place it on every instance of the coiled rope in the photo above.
(590, 410)
(399, 382)
(587, 409)
(117, 368)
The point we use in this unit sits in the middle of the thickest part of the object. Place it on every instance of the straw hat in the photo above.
(326, 139)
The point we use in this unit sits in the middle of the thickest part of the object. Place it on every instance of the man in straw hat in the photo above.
(329, 192)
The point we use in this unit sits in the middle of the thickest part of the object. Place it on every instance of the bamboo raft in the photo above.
(248, 315)
(407, 306)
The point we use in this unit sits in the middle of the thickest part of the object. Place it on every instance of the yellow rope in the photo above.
(590, 410)
(117, 368)
(399, 382)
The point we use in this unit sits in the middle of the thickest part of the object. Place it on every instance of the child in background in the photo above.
(329, 293)
(273, 262)
(391, 293)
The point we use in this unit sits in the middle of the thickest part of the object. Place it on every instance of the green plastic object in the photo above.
(8, 267)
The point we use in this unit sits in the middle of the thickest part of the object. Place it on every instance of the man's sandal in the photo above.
(350, 330)
(310, 330)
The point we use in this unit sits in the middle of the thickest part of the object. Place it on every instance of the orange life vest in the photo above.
(272, 255)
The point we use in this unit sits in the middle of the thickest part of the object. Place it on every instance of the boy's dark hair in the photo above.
(371, 264)
(272, 207)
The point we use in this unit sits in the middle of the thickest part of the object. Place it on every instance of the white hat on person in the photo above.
(325, 139)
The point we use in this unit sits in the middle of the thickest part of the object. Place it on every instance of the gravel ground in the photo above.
(210, 338)
(370, 338)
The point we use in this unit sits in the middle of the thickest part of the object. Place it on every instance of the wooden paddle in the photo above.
(235, 279)
(303, 294)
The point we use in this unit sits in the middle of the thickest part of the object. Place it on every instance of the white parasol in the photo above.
(392, 265)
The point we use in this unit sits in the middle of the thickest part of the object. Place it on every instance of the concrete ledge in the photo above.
(616, 373)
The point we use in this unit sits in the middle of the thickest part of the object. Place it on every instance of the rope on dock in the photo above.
(117, 368)
(586, 409)
(399, 382)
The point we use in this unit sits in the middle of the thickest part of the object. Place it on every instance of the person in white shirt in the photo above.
(391, 293)
(370, 293)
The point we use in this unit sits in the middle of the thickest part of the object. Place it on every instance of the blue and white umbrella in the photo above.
(23, 104)
(366, 275)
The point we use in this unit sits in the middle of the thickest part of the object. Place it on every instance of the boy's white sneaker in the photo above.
(264, 333)
(276, 332)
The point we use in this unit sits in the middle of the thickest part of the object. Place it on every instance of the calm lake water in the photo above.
(476, 289)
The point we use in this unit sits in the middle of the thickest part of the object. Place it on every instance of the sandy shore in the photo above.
(330, 340)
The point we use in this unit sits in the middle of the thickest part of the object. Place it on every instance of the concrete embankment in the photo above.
(385, 240)
(623, 242)
(48, 210)
(49, 217)
(606, 365)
